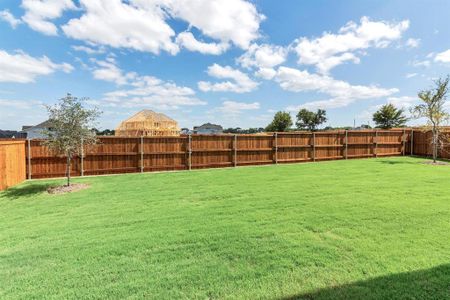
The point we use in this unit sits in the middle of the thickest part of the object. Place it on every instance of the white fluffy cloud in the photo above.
(19, 104)
(235, 108)
(240, 82)
(6, 16)
(38, 14)
(235, 21)
(404, 102)
(142, 91)
(264, 58)
(413, 43)
(22, 68)
(188, 41)
(143, 24)
(331, 50)
(342, 93)
(443, 57)
(108, 70)
(89, 50)
(148, 91)
(122, 25)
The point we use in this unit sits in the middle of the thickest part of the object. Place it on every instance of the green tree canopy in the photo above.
(310, 120)
(282, 121)
(388, 116)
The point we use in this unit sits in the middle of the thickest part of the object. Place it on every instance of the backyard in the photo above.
(348, 229)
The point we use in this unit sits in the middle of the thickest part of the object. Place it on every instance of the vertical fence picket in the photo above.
(82, 159)
(346, 144)
(404, 142)
(276, 147)
(29, 158)
(141, 148)
(314, 146)
(235, 150)
(375, 152)
(190, 152)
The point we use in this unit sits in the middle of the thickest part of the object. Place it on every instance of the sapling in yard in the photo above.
(433, 109)
(71, 125)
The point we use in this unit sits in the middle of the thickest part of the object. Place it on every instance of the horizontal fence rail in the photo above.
(113, 155)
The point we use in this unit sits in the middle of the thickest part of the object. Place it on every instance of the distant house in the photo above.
(148, 123)
(208, 128)
(35, 132)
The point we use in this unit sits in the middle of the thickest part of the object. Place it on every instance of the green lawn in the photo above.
(357, 229)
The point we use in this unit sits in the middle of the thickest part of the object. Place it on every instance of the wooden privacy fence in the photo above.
(12, 163)
(422, 144)
(143, 154)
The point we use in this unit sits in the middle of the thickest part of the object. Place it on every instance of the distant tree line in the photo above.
(104, 132)
(239, 130)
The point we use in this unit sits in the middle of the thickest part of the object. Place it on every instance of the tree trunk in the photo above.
(435, 145)
(68, 169)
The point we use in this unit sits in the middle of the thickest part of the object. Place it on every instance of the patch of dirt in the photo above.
(63, 189)
(438, 163)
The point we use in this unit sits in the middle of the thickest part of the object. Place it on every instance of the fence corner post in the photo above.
(29, 158)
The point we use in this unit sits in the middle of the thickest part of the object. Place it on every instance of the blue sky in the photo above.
(232, 62)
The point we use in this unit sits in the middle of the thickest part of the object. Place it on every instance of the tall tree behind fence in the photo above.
(12, 163)
(144, 154)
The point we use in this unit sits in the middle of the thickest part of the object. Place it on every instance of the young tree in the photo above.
(433, 110)
(310, 120)
(71, 125)
(389, 116)
(281, 122)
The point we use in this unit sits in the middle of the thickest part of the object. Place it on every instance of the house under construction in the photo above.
(148, 123)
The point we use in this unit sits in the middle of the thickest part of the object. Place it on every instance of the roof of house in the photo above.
(147, 114)
(43, 125)
(208, 126)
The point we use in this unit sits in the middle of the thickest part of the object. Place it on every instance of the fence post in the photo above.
(314, 146)
(142, 154)
(412, 142)
(29, 159)
(404, 142)
(82, 158)
(235, 150)
(375, 152)
(346, 144)
(190, 151)
(276, 147)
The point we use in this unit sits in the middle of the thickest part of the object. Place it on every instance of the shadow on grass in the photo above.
(396, 162)
(25, 190)
(431, 283)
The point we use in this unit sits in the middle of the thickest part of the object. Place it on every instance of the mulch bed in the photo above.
(63, 189)
(438, 163)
